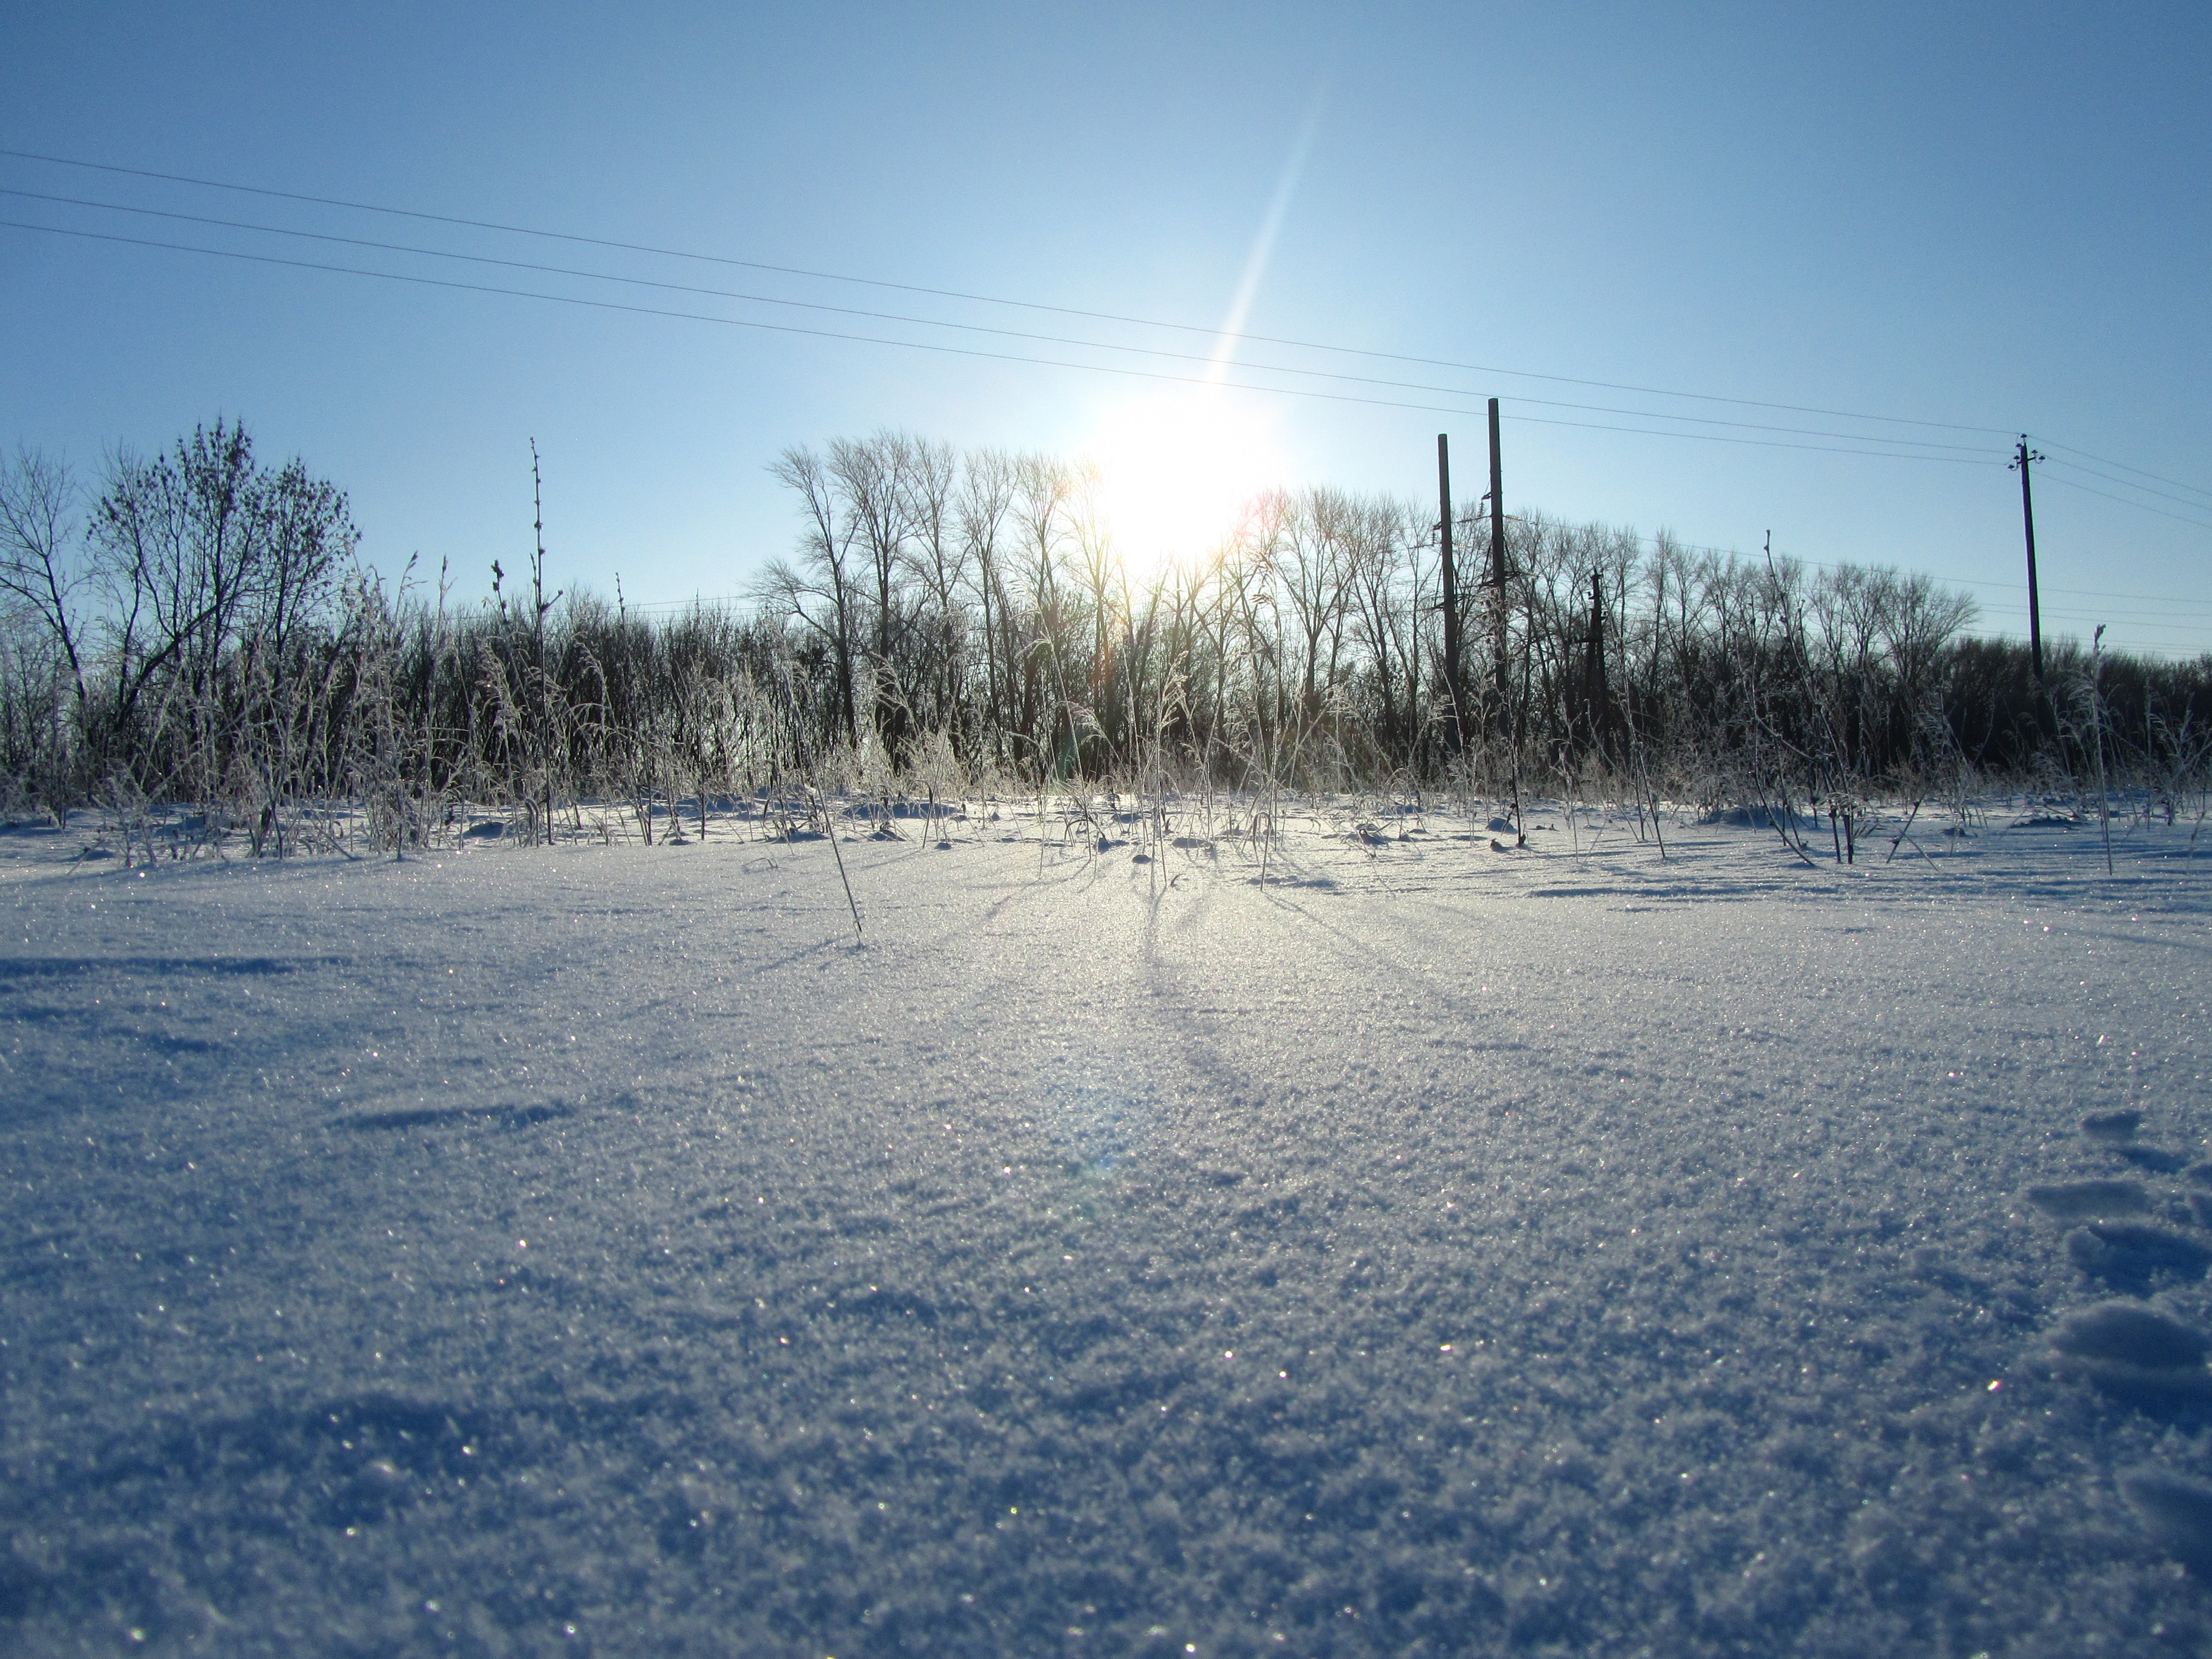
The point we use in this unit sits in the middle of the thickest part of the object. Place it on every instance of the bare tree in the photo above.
(871, 477)
(213, 569)
(38, 497)
(939, 560)
(1044, 497)
(987, 498)
(822, 596)
(1319, 528)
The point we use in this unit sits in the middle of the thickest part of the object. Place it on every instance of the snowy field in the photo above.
(1427, 1248)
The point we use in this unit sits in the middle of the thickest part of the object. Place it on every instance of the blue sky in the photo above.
(1989, 217)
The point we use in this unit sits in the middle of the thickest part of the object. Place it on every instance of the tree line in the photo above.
(196, 632)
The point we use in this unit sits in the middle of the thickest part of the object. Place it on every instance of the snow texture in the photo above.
(1402, 1247)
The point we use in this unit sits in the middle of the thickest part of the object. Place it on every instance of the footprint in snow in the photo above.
(2136, 1354)
(2156, 1159)
(2200, 1203)
(2133, 1335)
(2114, 1132)
(2112, 1127)
(2133, 1256)
(2082, 1200)
(2178, 1513)
(2133, 1353)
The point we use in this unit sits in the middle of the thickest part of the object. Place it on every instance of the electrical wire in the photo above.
(2139, 505)
(1898, 449)
(2101, 614)
(2195, 613)
(525, 230)
(1068, 311)
(985, 298)
(970, 328)
(2124, 467)
(967, 351)
(1764, 443)
(2163, 495)
(2163, 601)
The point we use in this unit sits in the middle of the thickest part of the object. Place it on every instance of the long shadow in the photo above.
(36, 968)
(431, 1117)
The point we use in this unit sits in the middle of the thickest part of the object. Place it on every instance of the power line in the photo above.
(985, 298)
(2124, 467)
(732, 322)
(2098, 614)
(1763, 443)
(1062, 310)
(2155, 652)
(931, 322)
(967, 351)
(2145, 489)
(2195, 609)
(1900, 448)
(1067, 311)
(2139, 505)
(2159, 599)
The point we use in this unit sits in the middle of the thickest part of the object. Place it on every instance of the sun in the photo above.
(1176, 471)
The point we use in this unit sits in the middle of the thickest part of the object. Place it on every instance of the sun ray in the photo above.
(1263, 245)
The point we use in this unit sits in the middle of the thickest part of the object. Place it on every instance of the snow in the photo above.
(1402, 1247)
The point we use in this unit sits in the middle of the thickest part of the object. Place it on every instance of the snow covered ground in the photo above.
(1425, 1248)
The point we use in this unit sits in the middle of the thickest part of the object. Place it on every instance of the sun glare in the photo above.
(1176, 472)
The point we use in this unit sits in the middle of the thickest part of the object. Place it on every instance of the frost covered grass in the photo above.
(1157, 1237)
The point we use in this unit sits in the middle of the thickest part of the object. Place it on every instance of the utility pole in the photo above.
(1451, 589)
(2021, 458)
(1506, 727)
(1498, 558)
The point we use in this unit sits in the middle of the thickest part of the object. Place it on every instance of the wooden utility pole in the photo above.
(2021, 458)
(1451, 590)
(1498, 558)
(1507, 727)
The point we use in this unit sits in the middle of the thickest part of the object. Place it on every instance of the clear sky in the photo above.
(1995, 217)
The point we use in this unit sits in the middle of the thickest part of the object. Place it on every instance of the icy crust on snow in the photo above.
(1423, 1249)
